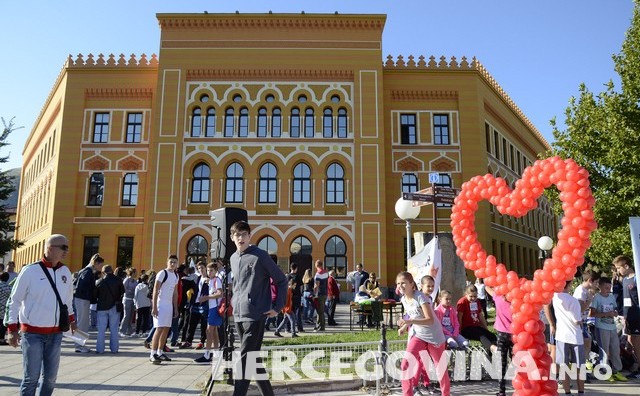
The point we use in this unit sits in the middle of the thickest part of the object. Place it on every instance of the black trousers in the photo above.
(332, 311)
(505, 346)
(195, 319)
(481, 334)
(142, 319)
(250, 335)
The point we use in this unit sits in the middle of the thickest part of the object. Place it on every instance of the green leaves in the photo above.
(603, 135)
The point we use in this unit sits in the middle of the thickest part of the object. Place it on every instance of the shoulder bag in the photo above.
(63, 321)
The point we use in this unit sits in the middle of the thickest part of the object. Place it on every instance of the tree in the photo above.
(603, 134)
(6, 188)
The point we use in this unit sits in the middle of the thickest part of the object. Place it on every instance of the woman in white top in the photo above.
(426, 335)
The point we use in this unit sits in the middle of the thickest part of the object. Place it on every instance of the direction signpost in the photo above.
(433, 195)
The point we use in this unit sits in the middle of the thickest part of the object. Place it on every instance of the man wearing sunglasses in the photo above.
(35, 304)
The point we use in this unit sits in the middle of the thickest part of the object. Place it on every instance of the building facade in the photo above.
(296, 118)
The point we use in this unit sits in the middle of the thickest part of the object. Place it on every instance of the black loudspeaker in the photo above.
(221, 220)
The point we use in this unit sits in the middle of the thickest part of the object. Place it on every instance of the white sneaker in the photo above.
(83, 349)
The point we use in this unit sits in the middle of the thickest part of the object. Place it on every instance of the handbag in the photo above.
(63, 320)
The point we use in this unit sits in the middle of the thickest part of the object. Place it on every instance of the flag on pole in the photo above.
(634, 225)
(428, 261)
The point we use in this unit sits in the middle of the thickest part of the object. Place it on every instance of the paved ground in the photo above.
(130, 373)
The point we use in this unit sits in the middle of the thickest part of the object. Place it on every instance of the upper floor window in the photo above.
(441, 129)
(302, 183)
(408, 129)
(262, 122)
(295, 123)
(96, 189)
(200, 183)
(234, 183)
(268, 183)
(134, 128)
(130, 189)
(309, 123)
(276, 123)
(445, 181)
(342, 123)
(243, 123)
(196, 122)
(101, 128)
(327, 123)
(210, 123)
(229, 122)
(409, 183)
(335, 183)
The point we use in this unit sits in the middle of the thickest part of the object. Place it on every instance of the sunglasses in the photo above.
(61, 247)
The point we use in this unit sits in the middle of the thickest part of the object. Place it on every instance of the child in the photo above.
(603, 308)
(473, 325)
(288, 311)
(448, 317)
(143, 305)
(503, 327)
(569, 340)
(426, 334)
(214, 319)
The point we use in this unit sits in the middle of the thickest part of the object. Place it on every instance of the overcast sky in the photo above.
(538, 51)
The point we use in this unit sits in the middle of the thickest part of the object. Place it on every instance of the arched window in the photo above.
(243, 123)
(302, 183)
(409, 183)
(295, 123)
(327, 123)
(234, 183)
(268, 183)
(335, 183)
(301, 245)
(335, 256)
(276, 123)
(96, 189)
(268, 244)
(197, 249)
(309, 123)
(200, 184)
(130, 189)
(196, 122)
(262, 122)
(229, 120)
(343, 130)
(210, 123)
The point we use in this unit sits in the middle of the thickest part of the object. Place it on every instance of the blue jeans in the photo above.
(40, 353)
(112, 318)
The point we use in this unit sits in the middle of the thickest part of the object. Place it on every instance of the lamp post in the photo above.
(545, 244)
(407, 212)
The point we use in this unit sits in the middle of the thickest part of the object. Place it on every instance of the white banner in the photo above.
(634, 225)
(428, 261)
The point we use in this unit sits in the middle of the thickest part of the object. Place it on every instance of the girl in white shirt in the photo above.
(425, 336)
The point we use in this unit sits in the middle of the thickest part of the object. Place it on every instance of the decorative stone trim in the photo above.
(419, 96)
(280, 74)
(118, 93)
(111, 61)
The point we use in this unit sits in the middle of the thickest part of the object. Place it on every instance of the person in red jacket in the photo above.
(333, 296)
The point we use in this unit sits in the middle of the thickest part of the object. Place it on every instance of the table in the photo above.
(390, 306)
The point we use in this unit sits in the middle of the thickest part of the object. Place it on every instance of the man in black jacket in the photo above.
(83, 294)
(109, 292)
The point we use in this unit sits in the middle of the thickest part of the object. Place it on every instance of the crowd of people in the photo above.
(596, 322)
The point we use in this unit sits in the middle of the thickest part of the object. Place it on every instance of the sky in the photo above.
(538, 51)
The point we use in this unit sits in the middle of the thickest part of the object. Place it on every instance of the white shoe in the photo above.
(83, 349)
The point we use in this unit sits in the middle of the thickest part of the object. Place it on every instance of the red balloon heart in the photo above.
(528, 296)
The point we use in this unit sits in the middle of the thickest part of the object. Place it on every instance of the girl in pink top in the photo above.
(448, 316)
(503, 327)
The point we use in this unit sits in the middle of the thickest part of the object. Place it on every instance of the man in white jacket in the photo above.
(34, 303)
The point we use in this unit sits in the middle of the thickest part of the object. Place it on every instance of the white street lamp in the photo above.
(545, 244)
(407, 212)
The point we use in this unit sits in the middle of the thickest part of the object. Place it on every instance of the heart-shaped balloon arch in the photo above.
(528, 296)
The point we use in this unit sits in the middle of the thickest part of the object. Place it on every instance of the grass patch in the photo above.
(335, 338)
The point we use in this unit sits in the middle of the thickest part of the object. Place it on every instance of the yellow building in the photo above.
(296, 118)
